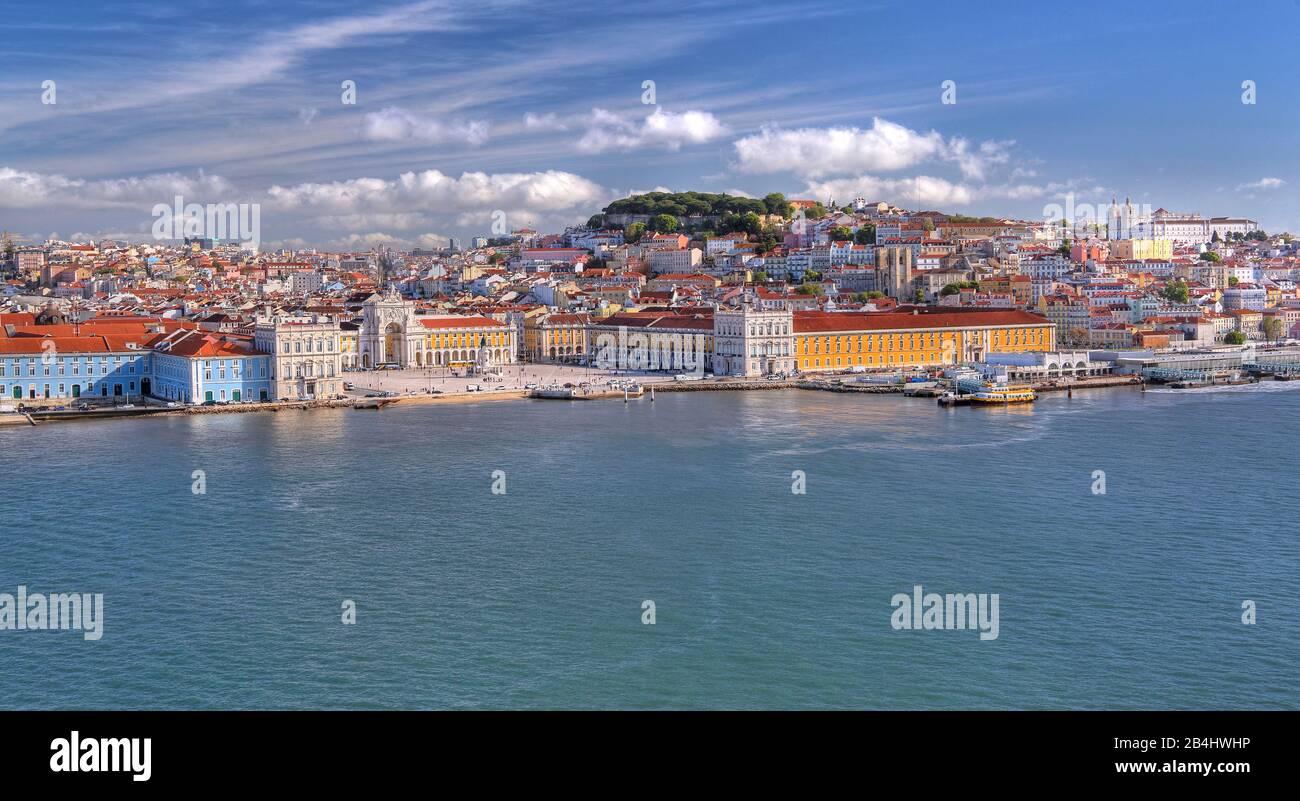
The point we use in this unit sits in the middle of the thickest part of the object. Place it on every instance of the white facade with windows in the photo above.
(750, 341)
(307, 355)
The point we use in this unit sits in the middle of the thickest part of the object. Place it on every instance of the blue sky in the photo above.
(535, 109)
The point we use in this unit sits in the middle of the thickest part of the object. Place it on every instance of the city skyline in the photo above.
(818, 101)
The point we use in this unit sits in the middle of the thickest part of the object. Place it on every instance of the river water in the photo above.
(764, 596)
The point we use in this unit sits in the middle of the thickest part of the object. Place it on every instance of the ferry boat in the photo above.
(1003, 393)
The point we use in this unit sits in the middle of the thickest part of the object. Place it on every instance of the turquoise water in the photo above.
(764, 598)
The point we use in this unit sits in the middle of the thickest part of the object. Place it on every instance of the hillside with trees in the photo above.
(698, 204)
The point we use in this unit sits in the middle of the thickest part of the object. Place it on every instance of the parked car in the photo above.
(348, 385)
(530, 386)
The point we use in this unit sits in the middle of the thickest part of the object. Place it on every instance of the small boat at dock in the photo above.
(1003, 393)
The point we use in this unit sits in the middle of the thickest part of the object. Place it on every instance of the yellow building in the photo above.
(349, 344)
(926, 338)
(463, 341)
(556, 337)
(1127, 249)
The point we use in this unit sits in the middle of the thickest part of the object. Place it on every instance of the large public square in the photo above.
(515, 376)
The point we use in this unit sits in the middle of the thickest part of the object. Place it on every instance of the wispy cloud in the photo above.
(396, 125)
(1262, 183)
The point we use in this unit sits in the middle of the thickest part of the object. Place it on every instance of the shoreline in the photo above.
(456, 398)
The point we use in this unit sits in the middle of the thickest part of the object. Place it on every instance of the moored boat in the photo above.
(1004, 393)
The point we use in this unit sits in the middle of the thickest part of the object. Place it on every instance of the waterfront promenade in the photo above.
(412, 387)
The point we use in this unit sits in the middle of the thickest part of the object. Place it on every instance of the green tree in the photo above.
(865, 235)
(697, 208)
(1175, 291)
(1234, 338)
(760, 277)
(809, 288)
(841, 234)
(596, 221)
(928, 225)
(633, 233)
(663, 223)
(777, 204)
(1210, 255)
(1272, 328)
(768, 240)
(731, 223)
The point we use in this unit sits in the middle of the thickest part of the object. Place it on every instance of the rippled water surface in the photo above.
(764, 598)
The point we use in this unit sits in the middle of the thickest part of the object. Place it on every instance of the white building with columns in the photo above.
(306, 355)
(752, 341)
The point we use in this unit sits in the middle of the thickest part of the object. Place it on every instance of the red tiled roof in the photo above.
(459, 322)
(814, 321)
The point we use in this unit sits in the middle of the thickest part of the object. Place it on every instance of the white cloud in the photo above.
(537, 192)
(409, 202)
(606, 130)
(394, 124)
(1262, 183)
(28, 190)
(920, 190)
(974, 163)
(923, 190)
(818, 152)
(544, 122)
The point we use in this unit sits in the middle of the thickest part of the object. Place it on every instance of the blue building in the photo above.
(188, 366)
(52, 368)
(199, 366)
